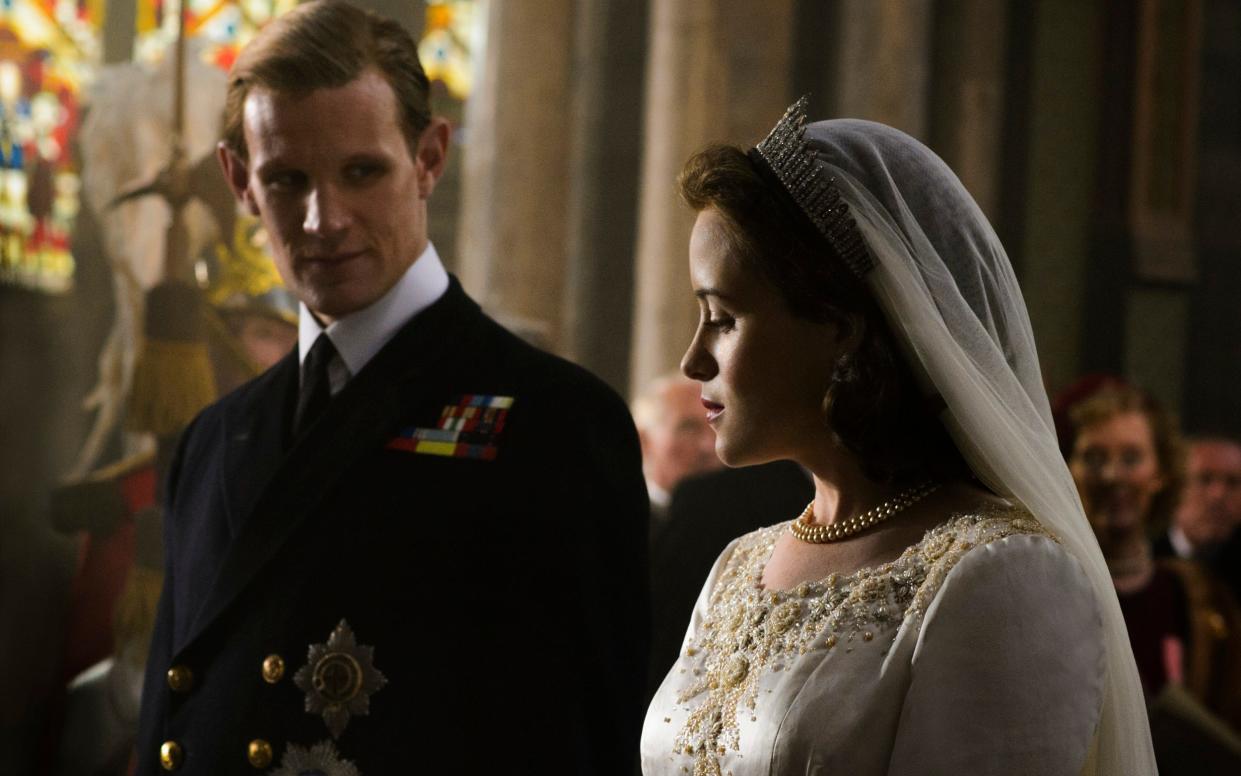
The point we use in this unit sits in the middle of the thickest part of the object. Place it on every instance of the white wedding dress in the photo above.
(980, 650)
(993, 648)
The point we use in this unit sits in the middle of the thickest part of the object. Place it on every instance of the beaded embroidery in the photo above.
(749, 630)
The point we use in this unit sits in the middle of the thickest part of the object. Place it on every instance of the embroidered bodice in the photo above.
(846, 649)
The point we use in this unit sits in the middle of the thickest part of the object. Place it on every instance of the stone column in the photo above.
(1213, 343)
(605, 162)
(515, 168)
(966, 109)
(716, 72)
(1057, 216)
(883, 56)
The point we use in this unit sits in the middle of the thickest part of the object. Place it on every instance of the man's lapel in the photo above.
(358, 421)
(256, 440)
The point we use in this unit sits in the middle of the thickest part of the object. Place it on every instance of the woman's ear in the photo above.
(850, 332)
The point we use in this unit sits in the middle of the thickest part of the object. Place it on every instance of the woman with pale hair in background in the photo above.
(941, 606)
(1126, 456)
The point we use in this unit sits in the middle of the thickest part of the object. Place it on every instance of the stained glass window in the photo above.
(226, 26)
(451, 48)
(451, 43)
(48, 49)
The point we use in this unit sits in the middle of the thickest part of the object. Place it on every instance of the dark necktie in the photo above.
(316, 390)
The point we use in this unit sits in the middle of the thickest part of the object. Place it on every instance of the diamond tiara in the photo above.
(794, 165)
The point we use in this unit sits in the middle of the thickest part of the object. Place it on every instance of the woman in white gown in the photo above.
(941, 607)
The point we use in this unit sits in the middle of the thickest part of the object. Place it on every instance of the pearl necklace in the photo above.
(815, 533)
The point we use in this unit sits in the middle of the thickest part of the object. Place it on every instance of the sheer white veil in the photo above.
(949, 293)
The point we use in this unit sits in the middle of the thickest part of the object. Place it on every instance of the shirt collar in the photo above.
(1180, 543)
(659, 496)
(360, 335)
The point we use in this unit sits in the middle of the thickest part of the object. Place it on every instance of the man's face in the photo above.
(343, 201)
(681, 443)
(1211, 504)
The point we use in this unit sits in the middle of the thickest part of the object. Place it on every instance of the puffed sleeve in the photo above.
(1008, 670)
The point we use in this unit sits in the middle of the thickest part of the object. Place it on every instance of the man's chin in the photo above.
(340, 299)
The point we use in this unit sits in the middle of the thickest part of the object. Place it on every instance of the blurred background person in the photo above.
(1210, 506)
(1210, 511)
(697, 505)
(706, 512)
(676, 440)
(1125, 454)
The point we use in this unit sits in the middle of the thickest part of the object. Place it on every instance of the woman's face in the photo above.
(763, 370)
(1117, 472)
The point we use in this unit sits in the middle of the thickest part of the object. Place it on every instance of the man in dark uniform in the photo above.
(415, 545)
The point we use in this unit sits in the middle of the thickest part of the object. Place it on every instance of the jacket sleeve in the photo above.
(612, 510)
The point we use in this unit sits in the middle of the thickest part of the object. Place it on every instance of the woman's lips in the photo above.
(713, 410)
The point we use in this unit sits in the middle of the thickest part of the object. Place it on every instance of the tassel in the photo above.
(173, 381)
(134, 619)
(174, 378)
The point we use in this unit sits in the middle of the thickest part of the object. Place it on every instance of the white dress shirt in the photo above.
(1180, 543)
(359, 335)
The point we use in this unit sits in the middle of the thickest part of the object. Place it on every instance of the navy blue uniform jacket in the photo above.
(503, 600)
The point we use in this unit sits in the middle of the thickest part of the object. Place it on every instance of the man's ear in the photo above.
(237, 174)
(432, 155)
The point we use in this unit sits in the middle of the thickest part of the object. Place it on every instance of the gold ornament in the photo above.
(339, 678)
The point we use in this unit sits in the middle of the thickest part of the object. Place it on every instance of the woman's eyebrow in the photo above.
(703, 293)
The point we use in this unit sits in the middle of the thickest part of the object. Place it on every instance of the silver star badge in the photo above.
(339, 678)
(322, 759)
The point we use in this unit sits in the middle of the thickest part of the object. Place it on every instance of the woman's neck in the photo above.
(1129, 562)
(841, 489)
(1122, 547)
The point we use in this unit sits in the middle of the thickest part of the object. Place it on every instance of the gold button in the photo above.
(171, 755)
(180, 679)
(259, 753)
(273, 669)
